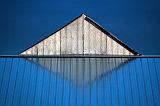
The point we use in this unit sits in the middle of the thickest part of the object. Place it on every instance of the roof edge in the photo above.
(111, 35)
(82, 14)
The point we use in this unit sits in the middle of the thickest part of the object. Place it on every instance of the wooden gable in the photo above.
(81, 36)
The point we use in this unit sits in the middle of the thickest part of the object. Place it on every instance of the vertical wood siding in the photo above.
(79, 37)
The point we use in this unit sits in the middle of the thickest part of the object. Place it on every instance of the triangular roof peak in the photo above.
(80, 36)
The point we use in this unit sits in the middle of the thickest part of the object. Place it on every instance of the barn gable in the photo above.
(81, 36)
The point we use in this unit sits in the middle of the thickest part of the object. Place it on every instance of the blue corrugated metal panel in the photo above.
(63, 82)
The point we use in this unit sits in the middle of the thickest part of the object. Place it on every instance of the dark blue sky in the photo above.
(24, 22)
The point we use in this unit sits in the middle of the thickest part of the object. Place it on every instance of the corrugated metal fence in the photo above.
(79, 81)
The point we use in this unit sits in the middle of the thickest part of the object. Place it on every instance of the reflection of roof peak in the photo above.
(81, 71)
(96, 25)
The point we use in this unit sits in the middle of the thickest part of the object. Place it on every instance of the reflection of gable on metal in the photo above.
(78, 70)
(80, 36)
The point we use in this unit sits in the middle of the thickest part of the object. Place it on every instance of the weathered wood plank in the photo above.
(50, 45)
(103, 43)
(74, 37)
(57, 35)
(63, 41)
(114, 47)
(86, 38)
(45, 47)
(69, 40)
(120, 49)
(109, 43)
(54, 44)
(97, 41)
(125, 51)
(80, 35)
(92, 39)
(29, 51)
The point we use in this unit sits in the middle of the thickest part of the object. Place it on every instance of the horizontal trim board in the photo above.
(79, 56)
